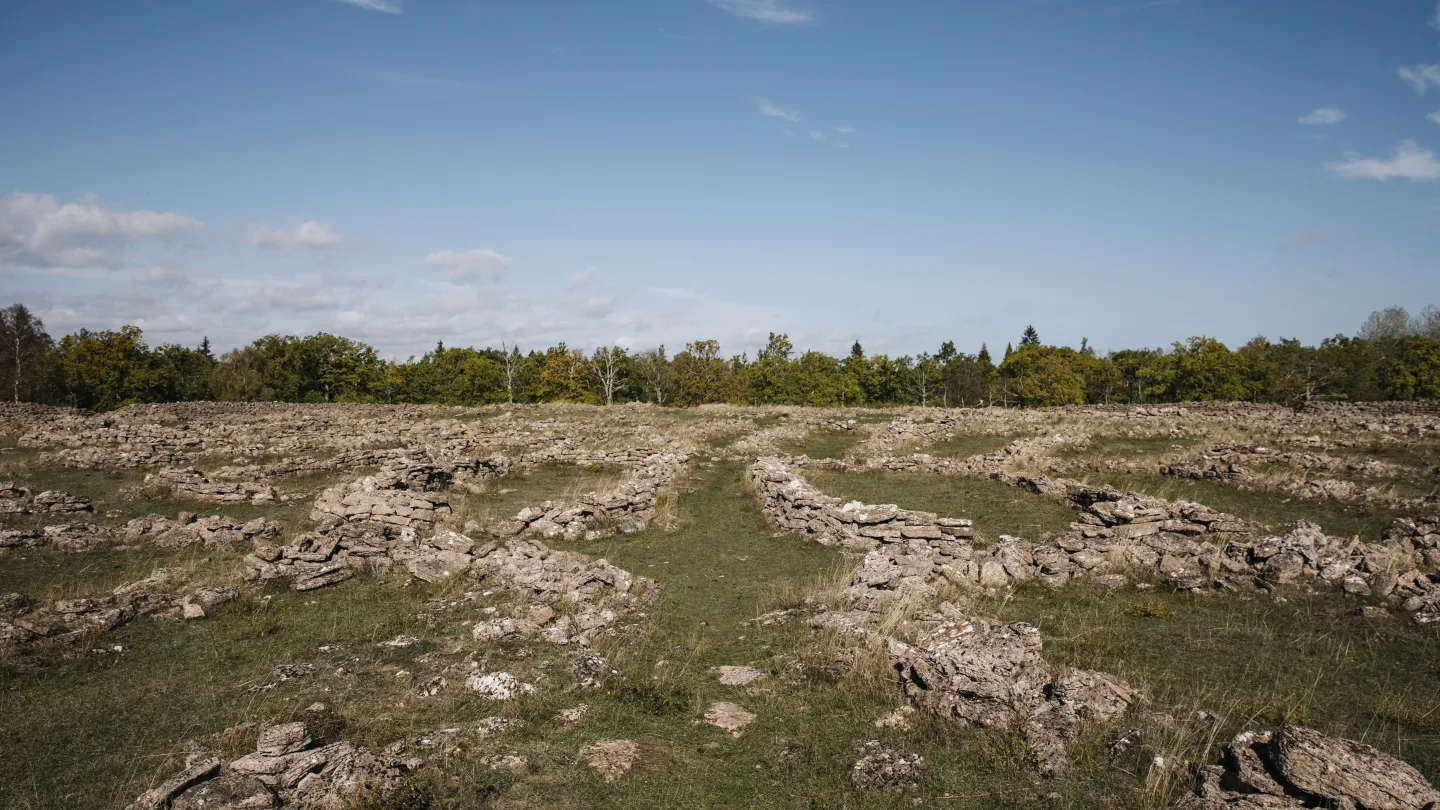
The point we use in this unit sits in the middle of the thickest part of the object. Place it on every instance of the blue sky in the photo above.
(657, 171)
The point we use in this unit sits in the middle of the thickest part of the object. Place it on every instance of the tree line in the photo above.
(1393, 356)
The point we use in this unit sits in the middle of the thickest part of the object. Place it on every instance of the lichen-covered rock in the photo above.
(882, 768)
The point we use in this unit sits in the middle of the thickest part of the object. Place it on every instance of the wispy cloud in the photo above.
(387, 6)
(845, 129)
(774, 110)
(771, 11)
(1434, 20)
(1435, 116)
(1421, 77)
(1324, 116)
(471, 265)
(310, 235)
(1408, 162)
(411, 82)
(579, 279)
(817, 134)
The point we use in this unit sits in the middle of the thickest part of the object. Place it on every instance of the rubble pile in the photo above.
(63, 536)
(565, 597)
(988, 674)
(286, 770)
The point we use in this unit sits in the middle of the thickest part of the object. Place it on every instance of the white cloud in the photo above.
(36, 231)
(845, 129)
(579, 279)
(1409, 162)
(310, 235)
(386, 6)
(1324, 116)
(1435, 116)
(771, 11)
(471, 265)
(1434, 20)
(818, 135)
(598, 307)
(774, 110)
(1421, 77)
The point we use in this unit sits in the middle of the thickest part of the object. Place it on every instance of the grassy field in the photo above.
(92, 730)
(503, 497)
(1310, 659)
(995, 507)
(967, 445)
(825, 443)
(1126, 448)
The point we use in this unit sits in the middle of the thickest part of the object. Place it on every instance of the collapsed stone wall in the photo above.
(166, 593)
(287, 768)
(982, 672)
(964, 668)
(190, 484)
(1187, 544)
(1232, 464)
(565, 597)
(21, 501)
(626, 509)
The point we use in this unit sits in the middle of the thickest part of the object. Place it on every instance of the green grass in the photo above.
(1309, 660)
(505, 496)
(94, 731)
(1128, 448)
(47, 574)
(1419, 454)
(1271, 509)
(825, 443)
(967, 445)
(996, 508)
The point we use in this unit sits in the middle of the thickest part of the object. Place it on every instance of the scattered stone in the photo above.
(571, 718)
(738, 676)
(882, 768)
(898, 719)
(612, 759)
(497, 686)
(731, 718)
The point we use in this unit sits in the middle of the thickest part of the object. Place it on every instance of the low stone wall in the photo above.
(191, 484)
(166, 593)
(1187, 544)
(626, 509)
(214, 531)
(20, 501)
(793, 504)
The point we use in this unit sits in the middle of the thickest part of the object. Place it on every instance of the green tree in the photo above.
(702, 376)
(26, 356)
(105, 370)
(1204, 369)
(1030, 338)
(1044, 375)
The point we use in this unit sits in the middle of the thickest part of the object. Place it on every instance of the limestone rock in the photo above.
(882, 768)
(612, 759)
(731, 718)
